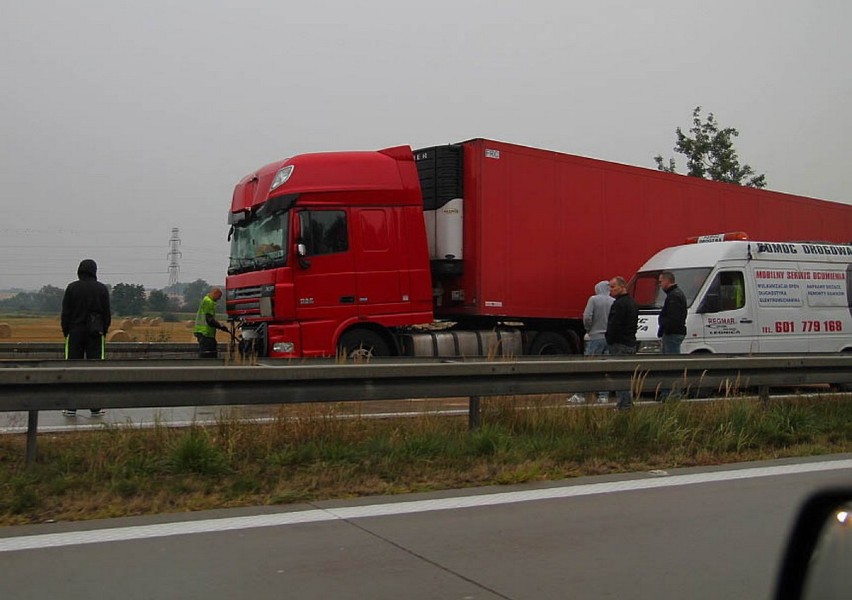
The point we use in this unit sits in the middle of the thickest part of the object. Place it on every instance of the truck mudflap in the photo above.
(444, 344)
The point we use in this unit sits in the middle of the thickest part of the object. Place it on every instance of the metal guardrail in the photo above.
(35, 386)
(114, 350)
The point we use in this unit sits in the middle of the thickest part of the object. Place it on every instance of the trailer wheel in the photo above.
(362, 344)
(550, 343)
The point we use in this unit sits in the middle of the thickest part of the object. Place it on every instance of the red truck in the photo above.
(475, 248)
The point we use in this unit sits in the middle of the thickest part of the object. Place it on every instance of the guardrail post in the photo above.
(473, 413)
(32, 429)
(763, 394)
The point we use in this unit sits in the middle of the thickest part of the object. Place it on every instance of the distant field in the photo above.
(47, 329)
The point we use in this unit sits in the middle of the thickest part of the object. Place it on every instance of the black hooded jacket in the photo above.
(83, 297)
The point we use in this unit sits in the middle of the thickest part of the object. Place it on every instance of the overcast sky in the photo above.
(121, 120)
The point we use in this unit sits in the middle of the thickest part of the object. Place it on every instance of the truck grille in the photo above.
(244, 302)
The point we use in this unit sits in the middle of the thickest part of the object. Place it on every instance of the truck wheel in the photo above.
(362, 344)
(550, 343)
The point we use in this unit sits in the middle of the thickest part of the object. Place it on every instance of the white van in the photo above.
(747, 296)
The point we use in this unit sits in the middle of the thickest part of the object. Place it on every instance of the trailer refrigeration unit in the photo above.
(475, 248)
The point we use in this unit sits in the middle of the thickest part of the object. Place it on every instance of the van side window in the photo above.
(727, 292)
(323, 231)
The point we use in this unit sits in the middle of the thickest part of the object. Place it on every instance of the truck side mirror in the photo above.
(302, 253)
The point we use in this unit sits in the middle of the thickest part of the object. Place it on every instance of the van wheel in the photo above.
(549, 343)
(362, 345)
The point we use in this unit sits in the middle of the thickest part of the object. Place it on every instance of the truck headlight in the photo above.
(281, 177)
(283, 347)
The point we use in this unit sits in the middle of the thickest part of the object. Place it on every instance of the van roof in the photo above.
(708, 254)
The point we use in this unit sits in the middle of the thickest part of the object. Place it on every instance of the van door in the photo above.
(826, 319)
(782, 315)
(727, 314)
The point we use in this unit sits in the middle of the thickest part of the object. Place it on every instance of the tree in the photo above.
(194, 292)
(50, 299)
(710, 153)
(128, 299)
(158, 301)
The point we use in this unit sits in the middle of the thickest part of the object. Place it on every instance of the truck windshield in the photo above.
(259, 243)
(648, 294)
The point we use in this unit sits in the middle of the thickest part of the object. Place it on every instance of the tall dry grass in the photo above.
(309, 453)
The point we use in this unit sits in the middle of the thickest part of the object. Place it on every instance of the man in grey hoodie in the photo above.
(594, 320)
(595, 317)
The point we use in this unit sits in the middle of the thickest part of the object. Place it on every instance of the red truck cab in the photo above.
(326, 243)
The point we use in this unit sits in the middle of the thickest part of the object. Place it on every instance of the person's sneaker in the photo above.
(69, 412)
(98, 412)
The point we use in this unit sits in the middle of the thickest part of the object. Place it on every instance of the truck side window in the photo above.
(727, 292)
(323, 231)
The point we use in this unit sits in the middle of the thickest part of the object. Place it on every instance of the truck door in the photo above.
(378, 260)
(324, 278)
(727, 314)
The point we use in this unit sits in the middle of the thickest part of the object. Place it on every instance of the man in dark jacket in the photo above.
(672, 321)
(85, 319)
(621, 328)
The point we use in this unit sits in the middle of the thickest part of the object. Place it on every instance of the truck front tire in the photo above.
(362, 344)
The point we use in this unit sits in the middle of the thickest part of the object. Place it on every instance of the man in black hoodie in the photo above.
(85, 319)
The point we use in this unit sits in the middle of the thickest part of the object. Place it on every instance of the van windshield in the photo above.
(648, 294)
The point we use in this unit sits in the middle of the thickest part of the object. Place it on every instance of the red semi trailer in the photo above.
(474, 248)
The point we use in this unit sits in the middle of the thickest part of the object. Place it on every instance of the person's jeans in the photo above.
(207, 347)
(671, 343)
(595, 347)
(625, 400)
(598, 348)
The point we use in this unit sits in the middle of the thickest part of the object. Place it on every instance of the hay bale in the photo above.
(146, 320)
(5, 330)
(190, 324)
(137, 321)
(156, 321)
(118, 335)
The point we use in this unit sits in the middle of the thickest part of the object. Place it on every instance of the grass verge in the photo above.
(309, 454)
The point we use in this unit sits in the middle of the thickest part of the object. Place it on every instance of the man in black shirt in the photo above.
(621, 329)
(672, 321)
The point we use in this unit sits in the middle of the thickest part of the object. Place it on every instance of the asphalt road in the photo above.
(694, 533)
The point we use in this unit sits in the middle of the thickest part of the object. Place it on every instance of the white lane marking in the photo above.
(54, 540)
